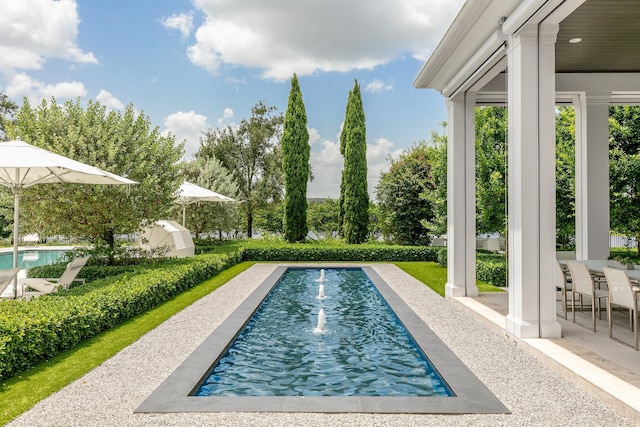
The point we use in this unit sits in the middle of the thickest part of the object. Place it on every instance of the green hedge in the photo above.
(35, 330)
(89, 272)
(490, 267)
(316, 253)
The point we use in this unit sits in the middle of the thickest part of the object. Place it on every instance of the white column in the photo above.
(461, 197)
(531, 169)
(592, 175)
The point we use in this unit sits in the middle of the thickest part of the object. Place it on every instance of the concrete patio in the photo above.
(606, 368)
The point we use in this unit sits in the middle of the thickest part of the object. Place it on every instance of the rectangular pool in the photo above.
(361, 349)
(176, 393)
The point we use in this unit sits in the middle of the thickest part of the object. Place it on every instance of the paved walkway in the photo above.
(535, 394)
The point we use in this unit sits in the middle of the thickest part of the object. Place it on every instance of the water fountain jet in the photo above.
(321, 279)
(322, 318)
(321, 292)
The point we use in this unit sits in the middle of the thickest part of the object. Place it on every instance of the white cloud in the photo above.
(281, 38)
(188, 127)
(378, 86)
(314, 135)
(23, 85)
(327, 164)
(33, 30)
(108, 100)
(182, 22)
(227, 118)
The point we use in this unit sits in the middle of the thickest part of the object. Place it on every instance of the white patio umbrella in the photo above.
(190, 193)
(22, 165)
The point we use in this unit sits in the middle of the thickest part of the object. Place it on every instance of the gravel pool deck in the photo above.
(108, 395)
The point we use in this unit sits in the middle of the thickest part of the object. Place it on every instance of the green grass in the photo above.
(18, 394)
(435, 277)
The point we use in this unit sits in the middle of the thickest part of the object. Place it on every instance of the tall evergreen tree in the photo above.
(354, 195)
(295, 164)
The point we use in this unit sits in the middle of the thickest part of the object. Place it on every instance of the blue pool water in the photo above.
(28, 259)
(364, 350)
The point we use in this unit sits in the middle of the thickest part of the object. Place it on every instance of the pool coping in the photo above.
(173, 394)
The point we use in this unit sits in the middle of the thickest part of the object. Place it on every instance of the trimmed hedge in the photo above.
(315, 253)
(34, 331)
(89, 272)
(490, 267)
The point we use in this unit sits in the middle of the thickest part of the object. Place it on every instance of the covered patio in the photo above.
(530, 56)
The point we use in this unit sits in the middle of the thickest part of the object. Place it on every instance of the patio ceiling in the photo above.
(610, 33)
(610, 44)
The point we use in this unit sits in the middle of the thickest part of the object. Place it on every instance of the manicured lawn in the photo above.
(18, 394)
(435, 276)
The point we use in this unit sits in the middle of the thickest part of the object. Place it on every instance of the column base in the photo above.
(450, 291)
(521, 329)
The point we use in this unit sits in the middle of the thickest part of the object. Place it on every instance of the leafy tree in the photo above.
(203, 217)
(354, 195)
(7, 110)
(565, 177)
(437, 197)
(624, 172)
(295, 164)
(252, 154)
(121, 143)
(271, 219)
(624, 168)
(323, 218)
(400, 196)
(624, 128)
(491, 169)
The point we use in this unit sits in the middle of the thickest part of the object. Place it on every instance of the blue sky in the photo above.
(194, 65)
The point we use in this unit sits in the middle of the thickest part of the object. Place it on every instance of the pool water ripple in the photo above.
(364, 350)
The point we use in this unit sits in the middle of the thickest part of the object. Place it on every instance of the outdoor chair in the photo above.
(564, 284)
(621, 293)
(583, 284)
(6, 277)
(49, 285)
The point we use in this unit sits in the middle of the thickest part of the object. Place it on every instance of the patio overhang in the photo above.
(532, 55)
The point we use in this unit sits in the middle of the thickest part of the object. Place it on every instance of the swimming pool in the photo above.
(359, 349)
(175, 393)
(31, 258)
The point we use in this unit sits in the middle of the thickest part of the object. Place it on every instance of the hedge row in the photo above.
(361, 253)
(36, 330)
(89, 272)
(490, 267)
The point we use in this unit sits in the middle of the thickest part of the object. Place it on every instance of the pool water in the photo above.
(29, 259)
(364, 349)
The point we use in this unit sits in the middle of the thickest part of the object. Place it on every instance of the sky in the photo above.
(193, 65)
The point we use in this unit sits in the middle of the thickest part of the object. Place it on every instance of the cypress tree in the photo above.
(354, 195)
(295, 164)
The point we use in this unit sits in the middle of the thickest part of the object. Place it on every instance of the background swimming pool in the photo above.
(365, 350)
(34, 258)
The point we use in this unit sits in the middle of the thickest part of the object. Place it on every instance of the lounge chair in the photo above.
(48, 285)
(6, 277)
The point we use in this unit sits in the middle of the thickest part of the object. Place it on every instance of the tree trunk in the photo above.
(249, 225)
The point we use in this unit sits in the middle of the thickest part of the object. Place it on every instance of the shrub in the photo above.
(341, 252)
(36, 330)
